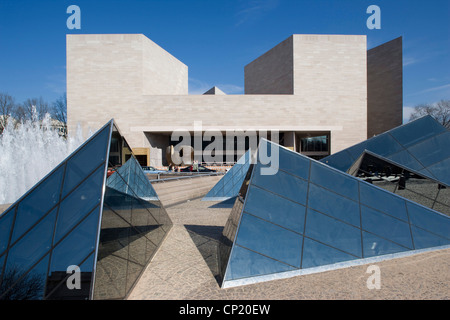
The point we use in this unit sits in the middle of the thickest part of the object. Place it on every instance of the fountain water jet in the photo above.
(28, 153)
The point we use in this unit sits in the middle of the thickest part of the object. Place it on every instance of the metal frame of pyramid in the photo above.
(82, 219)
(310, 217)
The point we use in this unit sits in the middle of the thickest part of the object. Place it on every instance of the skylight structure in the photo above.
(85, 231)
(310, 217)
(422, 145)
(403, 181)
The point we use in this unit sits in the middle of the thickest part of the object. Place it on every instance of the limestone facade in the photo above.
(306, 86)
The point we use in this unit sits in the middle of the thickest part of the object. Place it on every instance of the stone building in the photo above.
(321, 93)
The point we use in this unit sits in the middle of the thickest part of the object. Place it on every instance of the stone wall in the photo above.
(384, 87)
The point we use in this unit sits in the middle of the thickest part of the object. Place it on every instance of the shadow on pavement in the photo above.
(229, 203)
(206, 239)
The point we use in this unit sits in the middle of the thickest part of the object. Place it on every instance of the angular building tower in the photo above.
(310, 217)
(86, 230)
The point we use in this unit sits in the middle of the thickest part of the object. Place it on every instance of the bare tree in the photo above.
(6, 109)
(28, 287)
(59, 109)
(439, 110)
(25, 110)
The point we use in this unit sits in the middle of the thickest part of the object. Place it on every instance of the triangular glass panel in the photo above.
(308, 217)
(76, 219)
(401, 180)
(229, 185)
(418, 145)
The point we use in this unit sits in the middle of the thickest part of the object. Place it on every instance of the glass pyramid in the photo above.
(422, 145)
(93, 211)
(403, 181)
(309, 217)
(230, 184)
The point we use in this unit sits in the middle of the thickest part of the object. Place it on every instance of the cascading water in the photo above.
(28, 153)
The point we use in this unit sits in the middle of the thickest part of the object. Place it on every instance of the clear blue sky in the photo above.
(217, 38)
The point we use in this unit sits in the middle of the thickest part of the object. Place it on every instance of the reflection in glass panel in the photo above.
(282, 183)
(85, 160)
(134, 223)
(2, 260)
(334, 180)
(370, 165)
(245, 263)
(382, 183)
(57, 289)
(341, 160)
(237, 177)
(441, 170)
(316, 254)
(424, 139)
(291, 162)
(406, 159)
(356, 150)
(228, 235)
(441, 208)
(283, 245)
(32, 246)
(376, 246)
(443, 196)
(5, 229)
(332, 204)
(339, 229)
(425, 187)
(80, 202)
(383, 201)
(386, 227)
(333, 233)
(425, 239)
(229, 185)
(417, 130)
(383, 144)
(18, 285)
(416, 197)
(217, 188)
(133, 271)
(38, 202)
(112, 260)
(429, 220)
(396, 179)
(130, 179)
(236, 188)
(84, 237)
(137, 240)
(432, 150)
(273, 208)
